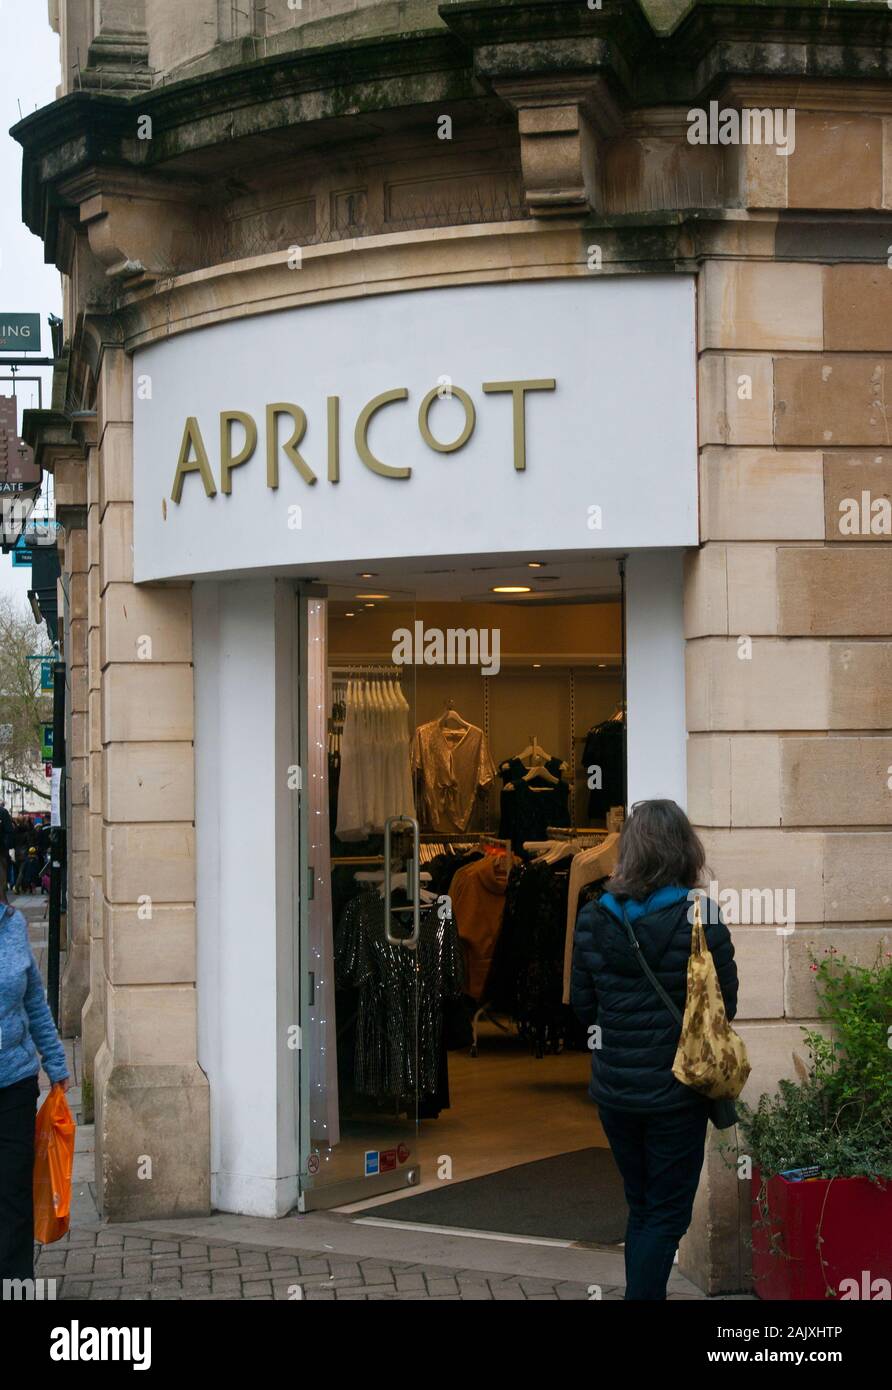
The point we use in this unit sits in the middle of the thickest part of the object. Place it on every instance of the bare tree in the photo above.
(23, 709)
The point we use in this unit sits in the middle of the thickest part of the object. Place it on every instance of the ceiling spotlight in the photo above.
(511, 589)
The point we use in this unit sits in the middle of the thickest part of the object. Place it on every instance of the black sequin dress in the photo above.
(399, 1048)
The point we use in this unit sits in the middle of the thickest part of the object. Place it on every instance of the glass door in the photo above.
(360, 908)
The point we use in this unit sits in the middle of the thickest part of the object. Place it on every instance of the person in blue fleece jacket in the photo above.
(27, 1036)
(656, 1127)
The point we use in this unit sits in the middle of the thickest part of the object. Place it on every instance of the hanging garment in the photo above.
(375, 780)
(454, 766)
(398, 1050)
(589, 866)
(527, 973)
(528, 808)
(605, 748)
(478, 902)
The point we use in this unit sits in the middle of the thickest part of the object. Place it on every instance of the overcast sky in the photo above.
(29, 75)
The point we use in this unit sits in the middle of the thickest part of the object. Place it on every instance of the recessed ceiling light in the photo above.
(535, 564)
(371, 595)
(536, 665)
(511, 589)
(368, 605)
(368, 574)
(602, 665)
(349, 615)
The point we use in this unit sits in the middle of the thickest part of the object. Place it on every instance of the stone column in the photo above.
(70, 491)
(152, 1099)
(119, 50)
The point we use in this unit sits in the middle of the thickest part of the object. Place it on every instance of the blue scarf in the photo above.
(663, 897)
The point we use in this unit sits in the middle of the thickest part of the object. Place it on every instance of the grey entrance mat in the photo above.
(575, 1196)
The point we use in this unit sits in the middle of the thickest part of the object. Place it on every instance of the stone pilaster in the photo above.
(70, 491)
(789, 635)
(152, 1099)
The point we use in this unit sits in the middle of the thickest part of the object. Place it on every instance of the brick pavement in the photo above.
(111, 1263)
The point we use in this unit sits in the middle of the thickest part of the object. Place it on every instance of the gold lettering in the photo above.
(518, 390)
(362, 432)
(470, 420)
(192, 439)
(334, 439)
(228, 460)
(290, 449)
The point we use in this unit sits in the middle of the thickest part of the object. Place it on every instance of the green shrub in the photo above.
(839, 1115)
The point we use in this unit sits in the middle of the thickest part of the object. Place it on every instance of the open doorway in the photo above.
(482, 713)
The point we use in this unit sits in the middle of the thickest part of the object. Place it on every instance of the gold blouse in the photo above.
(455, 766)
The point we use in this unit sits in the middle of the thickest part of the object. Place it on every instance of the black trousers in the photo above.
(659, 1156)
(18, 1109)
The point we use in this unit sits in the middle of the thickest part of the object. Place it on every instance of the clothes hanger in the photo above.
(533, 754)
(544, 774)
(450, 712)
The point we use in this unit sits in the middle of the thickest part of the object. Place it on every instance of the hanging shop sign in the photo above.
(47, 682)
(19, 332)
(557, 415)
(46, 747)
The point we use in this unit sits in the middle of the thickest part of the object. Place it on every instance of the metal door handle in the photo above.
(413, 882)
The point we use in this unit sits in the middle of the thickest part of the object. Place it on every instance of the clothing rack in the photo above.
(568, 832)
(356, 860)
(470, 839)
(385, 670)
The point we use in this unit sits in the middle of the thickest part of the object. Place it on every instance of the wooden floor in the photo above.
(506, 1107)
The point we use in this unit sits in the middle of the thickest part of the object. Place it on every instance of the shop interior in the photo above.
(458, 1058)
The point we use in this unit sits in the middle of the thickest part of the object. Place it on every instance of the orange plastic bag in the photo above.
(53, 1164)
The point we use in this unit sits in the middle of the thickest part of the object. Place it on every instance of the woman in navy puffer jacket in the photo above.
(656, 1127)
(26, 1030)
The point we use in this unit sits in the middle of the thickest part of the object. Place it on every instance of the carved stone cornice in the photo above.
(576, 78)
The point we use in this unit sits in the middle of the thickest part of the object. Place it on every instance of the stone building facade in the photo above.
(192, 147)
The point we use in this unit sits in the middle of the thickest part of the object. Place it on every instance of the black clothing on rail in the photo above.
(605, 748)
(528, 807)
(527, 977)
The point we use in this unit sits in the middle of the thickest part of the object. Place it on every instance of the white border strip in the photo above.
(473, 1235)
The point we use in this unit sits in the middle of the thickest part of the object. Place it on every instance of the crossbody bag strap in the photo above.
(636, 946)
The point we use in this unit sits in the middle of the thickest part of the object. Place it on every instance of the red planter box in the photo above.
(854, 1217)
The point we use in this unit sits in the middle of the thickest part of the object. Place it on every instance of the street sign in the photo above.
(19, 332)
(21, 555)
(46, 748)
(17, 464)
